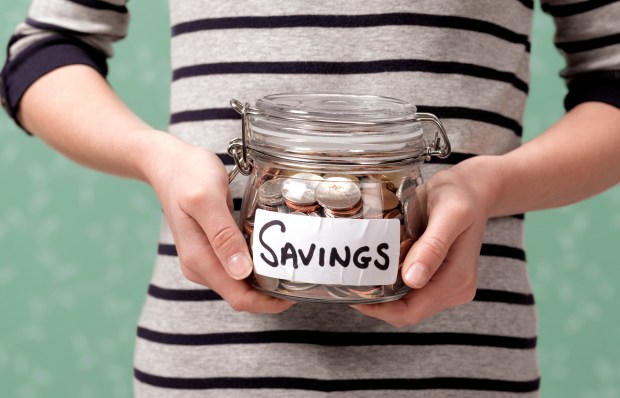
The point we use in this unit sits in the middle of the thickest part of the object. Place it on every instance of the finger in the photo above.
(447, 221)
(200, 264)
(210, 210)
(455, 285)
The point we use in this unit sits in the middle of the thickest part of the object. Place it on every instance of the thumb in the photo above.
(429, 251)
(225, 238)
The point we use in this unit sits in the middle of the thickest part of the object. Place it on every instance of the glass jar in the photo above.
(331, 207)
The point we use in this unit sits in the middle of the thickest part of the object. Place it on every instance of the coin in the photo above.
(296, 286)
(300, 188)
(367, 291)
(302, 209)
(270, 192)
(405, 245)
(407, 187)
(353, 212)
(384, 200)
(266, 282)
(385, 181)
(248, 228)
(393, 214)
(337, 291)
(268, 208)
(349, 177)
(338, 193)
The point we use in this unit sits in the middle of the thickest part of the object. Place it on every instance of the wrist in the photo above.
(156, 149)
(485, 175)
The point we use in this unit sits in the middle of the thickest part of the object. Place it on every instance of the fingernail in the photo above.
(416, 275)
(239, 266)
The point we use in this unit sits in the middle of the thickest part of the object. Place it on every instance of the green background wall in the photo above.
(76, 247)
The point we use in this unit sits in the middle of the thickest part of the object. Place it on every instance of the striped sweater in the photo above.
(466, 61)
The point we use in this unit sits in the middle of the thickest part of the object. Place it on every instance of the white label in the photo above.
(326, 250)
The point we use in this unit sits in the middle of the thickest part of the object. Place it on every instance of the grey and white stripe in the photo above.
(466, 61)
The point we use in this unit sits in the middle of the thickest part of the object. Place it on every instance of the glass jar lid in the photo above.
(337, 108)
(335, 128)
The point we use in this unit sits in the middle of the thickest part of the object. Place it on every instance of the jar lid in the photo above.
(335, 128)
(337, 108)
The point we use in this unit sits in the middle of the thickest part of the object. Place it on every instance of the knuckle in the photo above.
(462, 209)
(238, 304)
(436, 246)
(189, 275)
(194, 197)
(224, 236)
(189, 260)
(398, 324)
(468, 294)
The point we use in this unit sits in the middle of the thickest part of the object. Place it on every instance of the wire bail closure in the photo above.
(434, 148)
(238, 149)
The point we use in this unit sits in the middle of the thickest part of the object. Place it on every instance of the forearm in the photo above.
(576, 158)
(75, 111)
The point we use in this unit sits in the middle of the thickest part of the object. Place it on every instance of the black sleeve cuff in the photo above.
(37, 60)
(599, 86)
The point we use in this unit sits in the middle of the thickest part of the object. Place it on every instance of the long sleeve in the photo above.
(58, 33)
(588, 36)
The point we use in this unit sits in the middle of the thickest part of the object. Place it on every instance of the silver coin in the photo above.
(270, 192)
(349, 177)
(367, 291)
(338, 193)
(337, 291)
(300, 188)
(283, 209)
(266, 282)
(296, 286)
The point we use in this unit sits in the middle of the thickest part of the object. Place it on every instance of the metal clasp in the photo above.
(434, 148)
(237, 148)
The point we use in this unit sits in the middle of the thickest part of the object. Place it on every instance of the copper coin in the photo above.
(393, 214)
(345, 212)
(384, 200)
(269, 174)
(405, 245)
(270, 192)
(300, 188)
(248, 228)
(385, 181)
(338, 193)
(302, 209)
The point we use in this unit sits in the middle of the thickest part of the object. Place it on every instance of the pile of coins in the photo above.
(334, 196)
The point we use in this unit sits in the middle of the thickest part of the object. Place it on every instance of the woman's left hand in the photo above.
(441, 266)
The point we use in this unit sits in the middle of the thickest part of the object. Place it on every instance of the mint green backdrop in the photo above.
(76, 247)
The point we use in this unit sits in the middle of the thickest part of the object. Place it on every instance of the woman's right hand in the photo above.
(192, 186)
